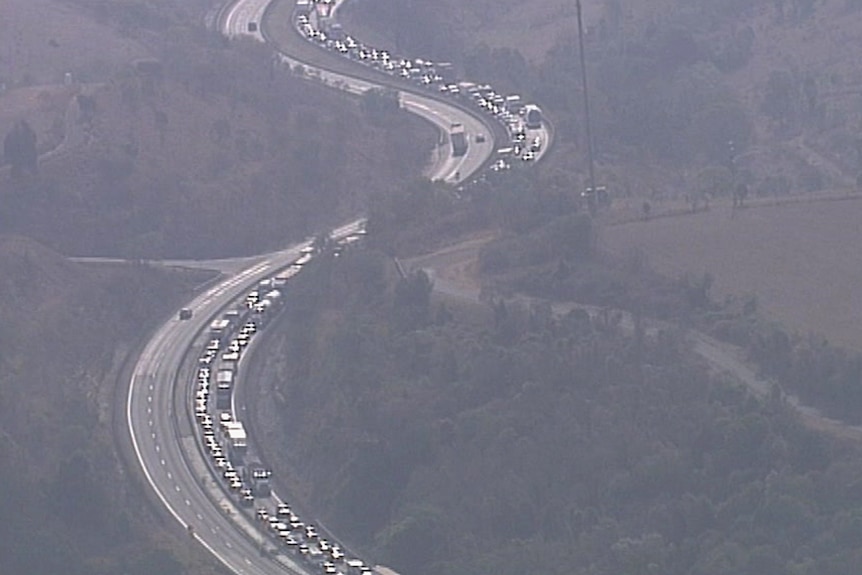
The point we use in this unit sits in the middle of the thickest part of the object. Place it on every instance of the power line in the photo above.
(590, 163)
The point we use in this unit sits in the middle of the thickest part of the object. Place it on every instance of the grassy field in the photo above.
(41, 40)
(801, 260)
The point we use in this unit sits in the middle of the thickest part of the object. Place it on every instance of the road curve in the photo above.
(161, 427)
(162, 434)
(332, 70)
(163, 439)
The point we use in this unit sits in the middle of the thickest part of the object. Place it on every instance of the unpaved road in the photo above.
(454, 272)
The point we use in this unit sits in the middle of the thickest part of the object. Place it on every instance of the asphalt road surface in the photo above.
(338, 72)
(158, 409)
(160, 422)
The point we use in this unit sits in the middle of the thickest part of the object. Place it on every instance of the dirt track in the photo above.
(453, 270)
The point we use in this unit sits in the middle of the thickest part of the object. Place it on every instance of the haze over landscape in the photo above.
(494, 371)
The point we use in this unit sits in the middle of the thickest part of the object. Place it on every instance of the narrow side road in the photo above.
(452, 270)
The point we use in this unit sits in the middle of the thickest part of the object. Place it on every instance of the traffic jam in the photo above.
(223, 436)
(522, 121)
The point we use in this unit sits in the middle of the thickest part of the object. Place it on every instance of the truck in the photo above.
(257, 477)
(223, 395)
(532, 116)
(513, 104)
(219, 329)
(459, 139)
(224, 388)
(237, 439)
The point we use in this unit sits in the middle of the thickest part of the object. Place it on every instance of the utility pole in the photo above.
(592, 196)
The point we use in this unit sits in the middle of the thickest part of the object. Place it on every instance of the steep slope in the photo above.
(67, 329)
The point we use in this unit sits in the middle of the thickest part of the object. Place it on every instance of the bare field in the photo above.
(803, 261)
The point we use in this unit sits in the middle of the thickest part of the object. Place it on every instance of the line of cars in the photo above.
(522, 146)
(517, 117)
(313, 547)
(224, 437)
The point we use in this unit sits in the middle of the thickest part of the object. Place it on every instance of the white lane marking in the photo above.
(169, 475)
(162, 461)
(177, 487)
(228, 545)
(149, 410)
(150, 422)
(188, 503)
(200, 517)
(149, 399)
(158, 448)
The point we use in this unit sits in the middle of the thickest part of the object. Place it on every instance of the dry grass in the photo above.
(801, 260)
(41, 40)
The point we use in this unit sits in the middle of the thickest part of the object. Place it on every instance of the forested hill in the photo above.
(444, 435)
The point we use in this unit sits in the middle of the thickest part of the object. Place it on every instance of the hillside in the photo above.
(153, 138)
(436, 434)
(67, 331)
(440, 435)
(166, 152)
(672, 82)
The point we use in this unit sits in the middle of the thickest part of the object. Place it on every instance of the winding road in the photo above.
(159, 415)
(158, 407)
(162, 432)
(161, 427)
(332, 70)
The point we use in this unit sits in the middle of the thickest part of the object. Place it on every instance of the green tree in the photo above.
(413, 300)
(781, 97)
(381, 104)
(19, 148)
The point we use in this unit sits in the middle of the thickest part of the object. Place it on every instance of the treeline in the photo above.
(821, 374)
(443, 435)
(560, 260)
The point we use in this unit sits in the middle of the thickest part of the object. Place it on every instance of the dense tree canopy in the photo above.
(516, 438)
(19, 148)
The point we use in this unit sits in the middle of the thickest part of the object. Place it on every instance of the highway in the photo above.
(162, 432)
(235, 23)
(159, 403)
(158, 413)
